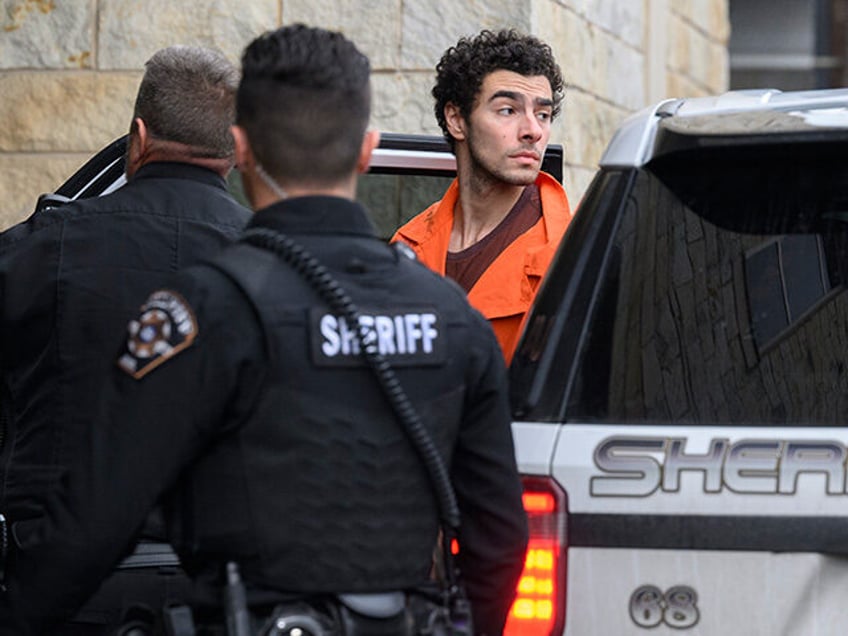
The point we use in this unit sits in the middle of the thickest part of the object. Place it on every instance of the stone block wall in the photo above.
(69, 69)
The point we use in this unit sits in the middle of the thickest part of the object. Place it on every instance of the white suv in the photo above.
(681, 388)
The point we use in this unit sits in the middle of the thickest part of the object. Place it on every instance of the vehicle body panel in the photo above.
(534, 446)
(687, 351)
(739, 592)
(750, 593)
(724, 471)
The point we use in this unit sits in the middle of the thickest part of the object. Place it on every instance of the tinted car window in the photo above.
(391, 199)
(722, 299)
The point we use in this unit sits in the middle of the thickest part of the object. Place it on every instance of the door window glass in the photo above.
(728, 308)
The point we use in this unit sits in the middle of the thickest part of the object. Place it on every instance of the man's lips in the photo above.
(526, 156)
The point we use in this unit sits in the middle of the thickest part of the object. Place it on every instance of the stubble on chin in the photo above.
(484, 172)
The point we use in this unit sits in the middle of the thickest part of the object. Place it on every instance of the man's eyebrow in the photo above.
(519, 97)
(508, 94)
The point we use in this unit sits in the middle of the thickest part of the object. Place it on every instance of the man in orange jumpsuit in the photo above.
(498, 225)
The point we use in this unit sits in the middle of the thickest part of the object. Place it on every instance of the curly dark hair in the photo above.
(304, 101)
(460, 72)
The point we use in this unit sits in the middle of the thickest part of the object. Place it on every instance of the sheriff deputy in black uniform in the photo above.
(72, 276)
(242, 394)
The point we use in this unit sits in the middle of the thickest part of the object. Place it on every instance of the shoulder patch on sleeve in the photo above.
(165, 326)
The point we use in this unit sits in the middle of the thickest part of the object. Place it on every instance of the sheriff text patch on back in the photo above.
(406, 337)
(165, 326)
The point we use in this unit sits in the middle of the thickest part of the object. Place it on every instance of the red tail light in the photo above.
(539, 607)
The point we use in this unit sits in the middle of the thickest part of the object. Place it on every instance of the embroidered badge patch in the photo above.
(165, 327)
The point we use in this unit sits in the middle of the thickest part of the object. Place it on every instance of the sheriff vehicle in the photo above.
(680, 391)
(681, 388)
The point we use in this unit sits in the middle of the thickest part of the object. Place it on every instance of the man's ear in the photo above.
(243, 151)
(456, 123)
(369, 142)
(245, 163)
(136, 146)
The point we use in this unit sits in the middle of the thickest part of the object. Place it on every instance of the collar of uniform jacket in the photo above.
(178, 170)
(315, 215)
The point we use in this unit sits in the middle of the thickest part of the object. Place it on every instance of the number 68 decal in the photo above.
(677, 607)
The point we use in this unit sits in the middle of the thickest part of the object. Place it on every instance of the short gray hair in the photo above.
(187, 95)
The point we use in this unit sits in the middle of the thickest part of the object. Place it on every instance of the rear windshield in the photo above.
(723, 297)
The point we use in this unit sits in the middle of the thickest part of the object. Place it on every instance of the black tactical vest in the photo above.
(321, 491)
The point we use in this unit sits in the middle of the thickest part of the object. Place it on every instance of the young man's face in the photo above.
(509, 127)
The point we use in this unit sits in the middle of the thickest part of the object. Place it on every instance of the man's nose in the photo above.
(531, 127)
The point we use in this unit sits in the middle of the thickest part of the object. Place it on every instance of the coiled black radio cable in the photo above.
(331, 292)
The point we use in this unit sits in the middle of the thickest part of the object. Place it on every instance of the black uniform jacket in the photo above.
(241, 393)
(70, 279)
